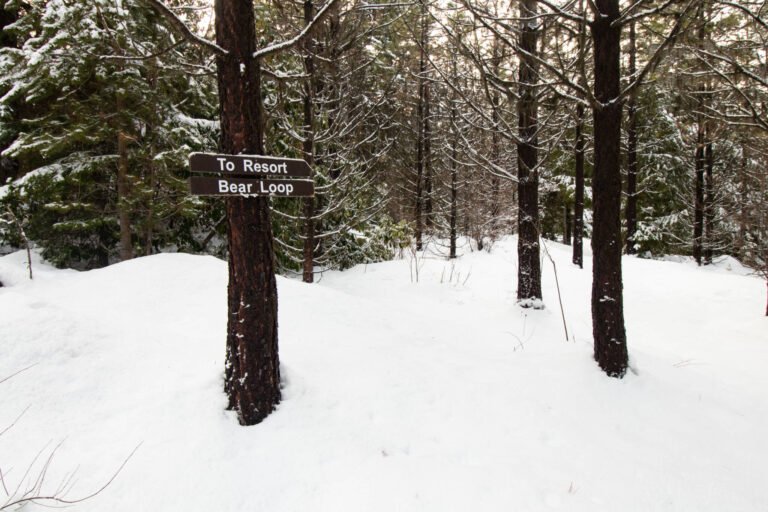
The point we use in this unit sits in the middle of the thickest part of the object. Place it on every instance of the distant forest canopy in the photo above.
(423, 120)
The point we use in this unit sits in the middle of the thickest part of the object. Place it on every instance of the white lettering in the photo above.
(249, 188)
(233, 188)
(273, 168)
(230, 166)
(284, 167)
(221, 162)
(247, 165)
(283, 189)
(223, 186)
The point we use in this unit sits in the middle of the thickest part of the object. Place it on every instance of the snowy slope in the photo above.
(435, 395)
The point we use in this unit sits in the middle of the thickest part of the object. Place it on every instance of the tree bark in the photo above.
(421, 131)
(124, 217)
(578, 206)
(607, 296)
(252, 370)
(529, 265)
(309, 148)
(709, 210)
(631, 211)
(698, 205)
(495, 153)
(567, 227)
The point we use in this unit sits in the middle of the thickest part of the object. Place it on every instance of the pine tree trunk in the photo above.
(421, 123)
(495, 157)
(631, 211)
(709, 210)
(309, 148)
(529, 265)
(427, 157)
(578, 206)
(124, 218)
(252, 370)
(607, 297)
(567, 227)
(698, 205)
(151, 168)
(454, 173)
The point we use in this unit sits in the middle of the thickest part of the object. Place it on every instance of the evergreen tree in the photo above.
(110, 114)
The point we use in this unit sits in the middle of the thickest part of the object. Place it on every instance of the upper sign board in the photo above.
(249, 165)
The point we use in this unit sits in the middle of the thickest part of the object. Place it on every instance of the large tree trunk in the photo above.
(607, 297)
(252, 370)
(631, 211)
(578, 206)
(309, 147)
(529, 265)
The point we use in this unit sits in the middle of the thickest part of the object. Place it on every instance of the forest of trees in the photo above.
(642, 126)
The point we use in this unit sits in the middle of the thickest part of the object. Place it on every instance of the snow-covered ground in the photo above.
(436, 395)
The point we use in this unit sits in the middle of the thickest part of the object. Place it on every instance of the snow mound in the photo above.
(431, 394)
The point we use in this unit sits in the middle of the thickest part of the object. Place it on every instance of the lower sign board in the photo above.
(249, 187)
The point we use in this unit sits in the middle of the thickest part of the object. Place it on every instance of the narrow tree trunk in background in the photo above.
(698, 205)
(578, 206)
(151, 169)
(567, 230)
(454, 165)
(578, 202)
(607, 296)
(453, 203)
(529, 265)
(252, 370)
(126, 249)
(420, 135)
(427, 158)
(418, 208)
(631, 211)
(709, 210)
(309, 148)
(495, 101)
(700, 163)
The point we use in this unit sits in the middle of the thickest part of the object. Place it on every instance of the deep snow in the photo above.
(434, 395)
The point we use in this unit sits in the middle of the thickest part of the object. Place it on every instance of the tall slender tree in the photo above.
(529, 263)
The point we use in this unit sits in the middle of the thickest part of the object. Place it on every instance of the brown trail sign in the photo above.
(252, 368)
(249, 165)
(226, 186)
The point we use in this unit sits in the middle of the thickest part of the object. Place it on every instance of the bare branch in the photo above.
(182, 29)
(285, 45)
